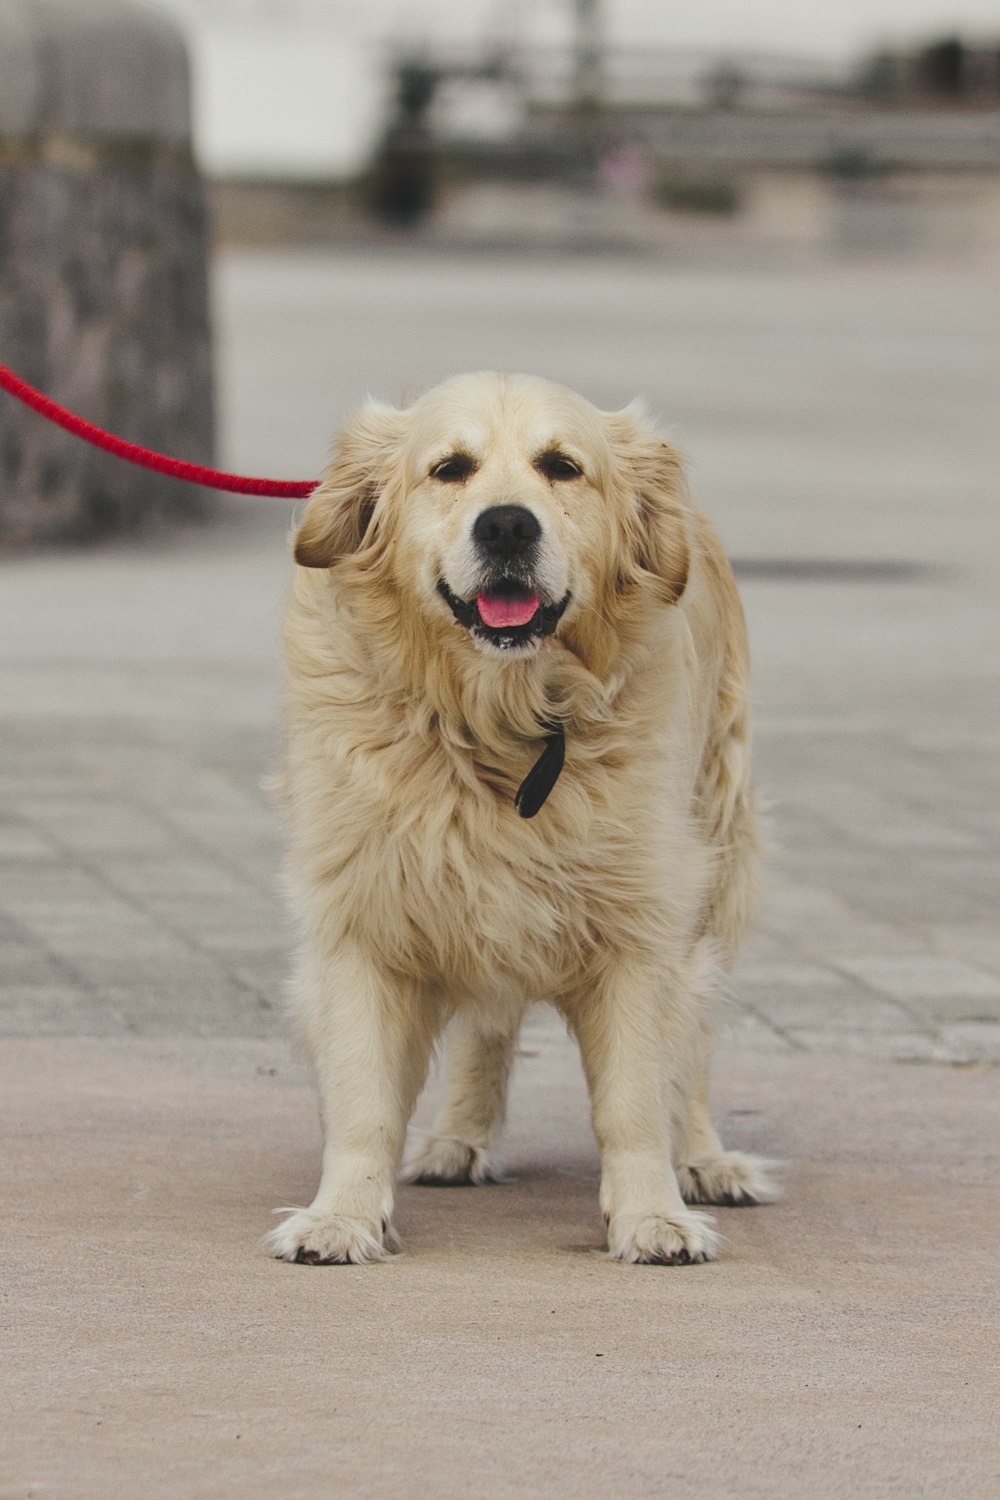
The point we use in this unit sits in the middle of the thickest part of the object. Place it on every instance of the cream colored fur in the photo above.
(425, 899)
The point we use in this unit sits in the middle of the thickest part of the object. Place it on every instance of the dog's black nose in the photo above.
(506, 530)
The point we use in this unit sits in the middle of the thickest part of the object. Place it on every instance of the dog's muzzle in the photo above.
(509, 611)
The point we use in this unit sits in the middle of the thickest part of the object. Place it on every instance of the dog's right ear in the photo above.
(340, 509)
(659, 528)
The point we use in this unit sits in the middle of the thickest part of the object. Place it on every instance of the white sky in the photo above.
(830, 28)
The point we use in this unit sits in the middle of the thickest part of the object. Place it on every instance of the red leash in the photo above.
(134, 453)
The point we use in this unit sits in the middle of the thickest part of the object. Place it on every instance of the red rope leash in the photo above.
(134, 453)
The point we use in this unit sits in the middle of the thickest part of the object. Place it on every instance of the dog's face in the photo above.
(504, 505)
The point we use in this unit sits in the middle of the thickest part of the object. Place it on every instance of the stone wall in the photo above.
(103, 265)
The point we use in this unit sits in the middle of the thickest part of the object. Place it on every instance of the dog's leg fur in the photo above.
(707, 1173)
(637, 1054)
(459, 1150)
(370, 1040)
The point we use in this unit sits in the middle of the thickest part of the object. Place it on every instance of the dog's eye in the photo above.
(556, 465)
(454, 469)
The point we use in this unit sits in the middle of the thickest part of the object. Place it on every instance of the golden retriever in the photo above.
(517, 769)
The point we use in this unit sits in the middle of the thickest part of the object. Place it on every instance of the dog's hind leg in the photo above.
(459, 1150)
(708, 1174)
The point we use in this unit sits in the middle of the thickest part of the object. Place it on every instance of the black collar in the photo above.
(544, 774)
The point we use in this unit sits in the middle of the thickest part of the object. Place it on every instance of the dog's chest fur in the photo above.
(405, 839)
(421, 857)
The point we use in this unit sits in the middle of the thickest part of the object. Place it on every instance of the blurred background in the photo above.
(224, 222)
(866, 127)
(749, 136)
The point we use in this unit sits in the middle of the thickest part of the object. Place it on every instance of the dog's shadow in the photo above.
(535, 1206)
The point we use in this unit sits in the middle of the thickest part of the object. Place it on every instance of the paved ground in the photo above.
(842, 429)
(843, 1347)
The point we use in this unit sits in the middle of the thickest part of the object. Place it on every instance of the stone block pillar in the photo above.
(103, 265)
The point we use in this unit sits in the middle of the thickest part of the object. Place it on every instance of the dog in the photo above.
(516, 769)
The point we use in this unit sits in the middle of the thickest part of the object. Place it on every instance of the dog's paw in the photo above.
(317, 1239)
(445, 1161)
(732, 1178)
(678, 1239)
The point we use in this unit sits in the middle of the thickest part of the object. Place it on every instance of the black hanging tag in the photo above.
(544, 774)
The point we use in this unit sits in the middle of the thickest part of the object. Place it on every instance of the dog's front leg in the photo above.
(370, 1039)
(634, 1040)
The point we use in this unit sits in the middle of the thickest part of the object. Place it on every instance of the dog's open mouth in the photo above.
(506, 614)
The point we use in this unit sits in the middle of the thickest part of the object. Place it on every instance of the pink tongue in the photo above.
(496, 610)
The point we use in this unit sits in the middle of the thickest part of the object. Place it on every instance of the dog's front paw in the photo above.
(322, 1239)
(445, 1161)
(731, 1178)
(677, 1239)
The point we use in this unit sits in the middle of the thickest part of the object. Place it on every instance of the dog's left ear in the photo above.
(659, 522)
(339, 513)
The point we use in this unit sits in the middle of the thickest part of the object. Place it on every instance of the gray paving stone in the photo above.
(140, 687)
(975, 1041)
(743, 1028)
(221, 1010)
(979, 942)
(26, 964)
(266, 973)
(92, 826)
(930, 976)
(823, 926)
(885, 1046)
(62, 1010)
(19, 842)
(181, 880)
(788, 1004)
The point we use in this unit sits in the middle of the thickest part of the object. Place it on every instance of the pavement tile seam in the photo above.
(768, 1024)
(241, 872)
(130, 900)
(29, 939)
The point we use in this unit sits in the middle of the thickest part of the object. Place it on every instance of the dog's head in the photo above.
(505, 507)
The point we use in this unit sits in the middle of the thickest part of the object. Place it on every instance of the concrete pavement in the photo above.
(841, 426)
(844, 1346)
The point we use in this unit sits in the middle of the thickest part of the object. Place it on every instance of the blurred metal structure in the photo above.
(590, 50)
(404, 178)
(759, 109)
